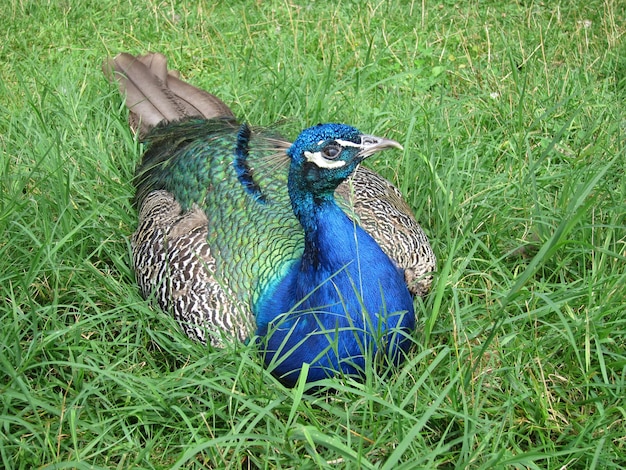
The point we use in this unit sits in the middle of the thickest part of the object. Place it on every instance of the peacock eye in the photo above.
(331, 151)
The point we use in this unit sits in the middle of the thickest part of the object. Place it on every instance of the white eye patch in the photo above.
(347, 143)
(343, 143)
(320, 161)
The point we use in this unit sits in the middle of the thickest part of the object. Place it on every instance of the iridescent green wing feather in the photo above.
(253, 241)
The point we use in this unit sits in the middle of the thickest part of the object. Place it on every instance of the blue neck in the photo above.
(344, 285)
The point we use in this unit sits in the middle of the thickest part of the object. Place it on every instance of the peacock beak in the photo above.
(371, 144)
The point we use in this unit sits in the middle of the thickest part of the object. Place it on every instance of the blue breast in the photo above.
(335, 306)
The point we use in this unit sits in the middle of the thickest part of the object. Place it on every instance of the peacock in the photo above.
(243, 235)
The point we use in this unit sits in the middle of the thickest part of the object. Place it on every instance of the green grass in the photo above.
(512, 117)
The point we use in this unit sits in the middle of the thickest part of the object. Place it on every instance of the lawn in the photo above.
(513, 120)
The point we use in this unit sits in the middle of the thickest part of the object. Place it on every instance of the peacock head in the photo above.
(325, 155)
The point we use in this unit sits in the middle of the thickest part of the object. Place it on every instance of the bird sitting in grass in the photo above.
(244, 235)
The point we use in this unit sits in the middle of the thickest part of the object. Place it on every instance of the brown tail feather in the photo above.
(196, 101)
(155, 94)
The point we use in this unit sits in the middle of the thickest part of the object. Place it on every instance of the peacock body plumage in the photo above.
(242, 233)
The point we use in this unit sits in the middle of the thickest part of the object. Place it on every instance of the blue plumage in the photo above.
(349, 298)
(244, 172)
(241, 232)
(344, 297)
